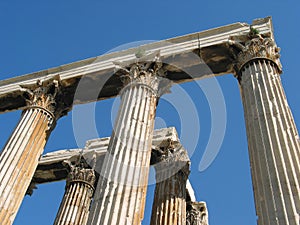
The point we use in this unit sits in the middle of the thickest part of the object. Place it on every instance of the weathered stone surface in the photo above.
(172, 166)
(180, 55)
(75, 206)
(120, 195)
(19, 158)
(197, 213)
(51, 168)
(272, 135)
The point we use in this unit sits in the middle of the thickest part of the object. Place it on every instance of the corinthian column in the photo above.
(172, 167)
(20, 156)
(121, 191)
(273, 139)
(75, 206)
(196, 213)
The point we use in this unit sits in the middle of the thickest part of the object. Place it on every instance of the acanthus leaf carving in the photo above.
(147, 70)
(255, 46)
(196, 213)
(78, 172)
(170, 159)
(42, 95)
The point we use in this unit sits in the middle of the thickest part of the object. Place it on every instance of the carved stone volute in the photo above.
(42, 95)
(254, 46)
(79, 172)
(169, 159)
(196, 213)
(46, 95)
(147, 70)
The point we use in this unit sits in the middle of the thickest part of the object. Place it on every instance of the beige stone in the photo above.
(75, 206)
(272, 135)
(172, 166)
(19, 158)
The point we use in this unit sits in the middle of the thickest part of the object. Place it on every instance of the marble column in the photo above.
(197, 213)
(75, 206)
(121, 191)
(20, 156)
(172, 166)
(273, 139)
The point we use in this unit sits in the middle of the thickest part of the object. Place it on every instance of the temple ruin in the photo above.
(106, 181)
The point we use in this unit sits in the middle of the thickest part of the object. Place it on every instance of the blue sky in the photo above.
(37, 35)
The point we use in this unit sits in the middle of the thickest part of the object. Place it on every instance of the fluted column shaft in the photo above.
(273, 139)
(75, 206)
(172, 170)
(121, 191)
(20, 156)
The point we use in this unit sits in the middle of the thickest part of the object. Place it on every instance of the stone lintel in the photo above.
(180, 54)
(51, 167)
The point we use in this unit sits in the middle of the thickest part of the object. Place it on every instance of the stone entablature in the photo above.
(180, 54)
(248, 51)
(51, 166)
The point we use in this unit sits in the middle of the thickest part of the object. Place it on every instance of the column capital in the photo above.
(169, 151)
(170, 158)
(254, 46)
(147, 70)
(78, 195)
(196, 213)
(80, 173)
(46, 95)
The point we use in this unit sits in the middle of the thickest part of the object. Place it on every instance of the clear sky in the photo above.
(37, 35)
